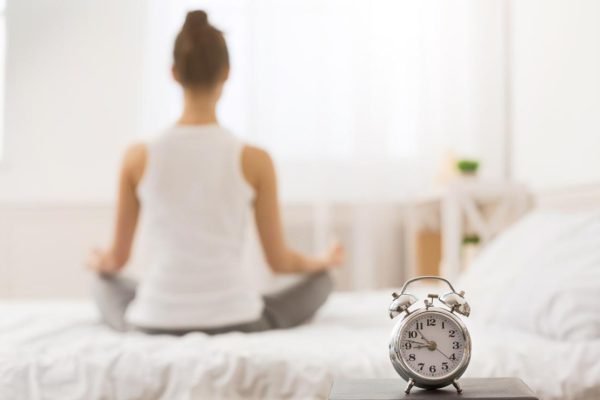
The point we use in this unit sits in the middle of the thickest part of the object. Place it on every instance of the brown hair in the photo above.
(200, 55)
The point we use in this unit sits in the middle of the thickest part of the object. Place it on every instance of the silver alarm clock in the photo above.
(430, 347)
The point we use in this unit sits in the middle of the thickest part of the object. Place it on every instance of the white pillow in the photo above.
(541, 276)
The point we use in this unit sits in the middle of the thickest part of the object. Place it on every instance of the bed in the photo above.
(534, 293)
(58, 350)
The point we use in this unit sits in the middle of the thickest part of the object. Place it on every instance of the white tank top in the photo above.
(194, 210)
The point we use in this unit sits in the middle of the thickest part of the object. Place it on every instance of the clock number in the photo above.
(453, 357)
(412, 334)
(455, 345)
(443, 325)
(419, 326)
(430, 322)
(432, 369)
(421, 365)
(411, 357)
(445, 366)
(407, 345)
(452, 333)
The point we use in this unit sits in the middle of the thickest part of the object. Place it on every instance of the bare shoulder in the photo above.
(136, 152)
(256, 154)
(134, 161)
(257, 164)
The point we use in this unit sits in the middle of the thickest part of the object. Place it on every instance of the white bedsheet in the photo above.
(58, 350)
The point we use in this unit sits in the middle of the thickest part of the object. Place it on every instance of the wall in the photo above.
(43, 248)
(555, 90)
(72, 97)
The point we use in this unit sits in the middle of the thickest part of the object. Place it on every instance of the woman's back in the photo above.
(194, 208)
(193, 188)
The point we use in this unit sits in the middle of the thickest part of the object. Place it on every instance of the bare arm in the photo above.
(128, 206)
(259, 171)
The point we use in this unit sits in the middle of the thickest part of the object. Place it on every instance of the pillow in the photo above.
(541, 276)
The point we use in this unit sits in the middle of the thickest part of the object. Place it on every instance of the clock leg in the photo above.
(457, 386)
(411, 383)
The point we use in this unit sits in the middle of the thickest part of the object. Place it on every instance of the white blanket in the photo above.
(58, 350)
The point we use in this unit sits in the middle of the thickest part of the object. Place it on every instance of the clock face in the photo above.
(432, 345)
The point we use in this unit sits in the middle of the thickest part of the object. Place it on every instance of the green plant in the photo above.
(471, 238)
(466, 166)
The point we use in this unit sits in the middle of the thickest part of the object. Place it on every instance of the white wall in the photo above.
(43, 249)
(72, 97)
(556, 91)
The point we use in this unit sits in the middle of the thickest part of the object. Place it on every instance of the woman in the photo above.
(193, 187)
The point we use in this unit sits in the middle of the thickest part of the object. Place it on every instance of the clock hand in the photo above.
(414, 341)
(431, 345)
(438, 349)
(423, 336)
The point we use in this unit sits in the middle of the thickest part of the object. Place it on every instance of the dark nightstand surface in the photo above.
(393, 389)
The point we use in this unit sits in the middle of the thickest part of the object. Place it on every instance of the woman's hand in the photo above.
(102, 262)
(334, 257)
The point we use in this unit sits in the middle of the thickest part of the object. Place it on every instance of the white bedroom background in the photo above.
(72, 98)
(556, 92)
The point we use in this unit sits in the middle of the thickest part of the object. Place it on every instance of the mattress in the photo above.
(59, 350)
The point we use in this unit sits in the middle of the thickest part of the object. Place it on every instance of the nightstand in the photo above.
(393, 389)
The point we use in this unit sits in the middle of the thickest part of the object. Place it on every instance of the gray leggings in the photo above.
(285, 309)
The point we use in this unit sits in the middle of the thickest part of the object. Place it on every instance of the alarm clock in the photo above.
(430, 347)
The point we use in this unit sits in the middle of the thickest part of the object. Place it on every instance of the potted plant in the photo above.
(467, 167)
(470, 247)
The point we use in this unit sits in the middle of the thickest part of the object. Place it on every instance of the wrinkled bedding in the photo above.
(59, 350)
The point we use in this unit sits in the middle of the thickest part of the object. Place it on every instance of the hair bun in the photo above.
(196, 20)
(200, 55)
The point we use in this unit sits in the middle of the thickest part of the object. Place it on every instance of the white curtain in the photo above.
(358, 101)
